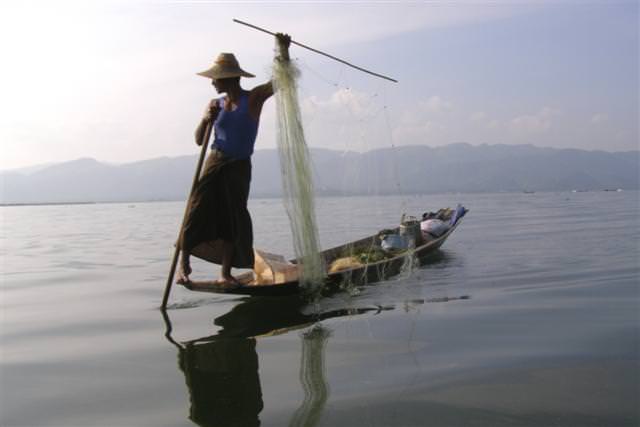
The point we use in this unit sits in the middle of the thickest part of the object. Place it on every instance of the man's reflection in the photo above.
(221, 370)
(223, 382)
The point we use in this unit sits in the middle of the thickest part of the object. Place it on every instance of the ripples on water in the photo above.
(527, 316)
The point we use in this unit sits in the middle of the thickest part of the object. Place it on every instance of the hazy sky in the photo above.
(116, 80)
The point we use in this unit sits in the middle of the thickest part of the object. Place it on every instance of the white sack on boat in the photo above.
(435, 227)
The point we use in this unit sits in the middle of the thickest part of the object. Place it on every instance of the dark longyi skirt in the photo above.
(218, 212)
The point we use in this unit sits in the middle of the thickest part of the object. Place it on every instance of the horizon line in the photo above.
(109, 163)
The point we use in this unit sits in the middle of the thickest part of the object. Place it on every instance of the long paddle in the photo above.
(196, 177)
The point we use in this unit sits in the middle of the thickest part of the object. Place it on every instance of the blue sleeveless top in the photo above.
(236, 130)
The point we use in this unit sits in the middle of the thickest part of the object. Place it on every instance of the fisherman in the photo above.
(218, 224)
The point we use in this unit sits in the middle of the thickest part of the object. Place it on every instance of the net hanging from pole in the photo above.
(352, 116)
(297, 179)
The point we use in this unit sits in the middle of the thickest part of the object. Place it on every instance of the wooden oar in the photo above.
(196, 177)
(317, 51)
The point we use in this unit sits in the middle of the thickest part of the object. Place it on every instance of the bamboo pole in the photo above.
(317, 51)
(196, 177)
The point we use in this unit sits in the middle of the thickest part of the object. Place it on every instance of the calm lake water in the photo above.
(528, 316)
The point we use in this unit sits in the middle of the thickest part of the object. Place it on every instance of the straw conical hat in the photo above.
(225, 66)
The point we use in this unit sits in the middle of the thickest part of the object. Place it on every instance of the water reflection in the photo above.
(221, 370)
(223, 382)
(266, 316)
(316, 389)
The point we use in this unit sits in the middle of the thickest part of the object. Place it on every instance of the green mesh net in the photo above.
(297, 179)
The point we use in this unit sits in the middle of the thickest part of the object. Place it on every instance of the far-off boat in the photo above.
(368, 260)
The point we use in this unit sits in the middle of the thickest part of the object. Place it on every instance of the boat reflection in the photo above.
(221, 370)
(265, 316)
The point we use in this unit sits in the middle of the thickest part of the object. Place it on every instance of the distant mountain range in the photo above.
(410, 169)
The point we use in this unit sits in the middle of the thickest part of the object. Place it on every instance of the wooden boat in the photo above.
(285, 272)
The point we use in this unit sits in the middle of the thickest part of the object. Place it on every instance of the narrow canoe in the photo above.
(355, 276)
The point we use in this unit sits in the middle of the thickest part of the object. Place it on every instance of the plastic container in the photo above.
(394, 243)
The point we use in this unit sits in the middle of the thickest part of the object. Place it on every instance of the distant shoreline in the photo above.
(277, 196)
(455, 168)
(8, 205)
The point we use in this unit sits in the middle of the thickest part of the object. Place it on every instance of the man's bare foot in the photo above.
(229, 278)
(183, 272)
(227, 281)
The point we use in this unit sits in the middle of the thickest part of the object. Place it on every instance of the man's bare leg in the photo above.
(184, 268)
(227, 256)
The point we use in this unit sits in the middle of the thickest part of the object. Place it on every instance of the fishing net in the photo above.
(312, 377)
(350, 114)
(297, 180)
